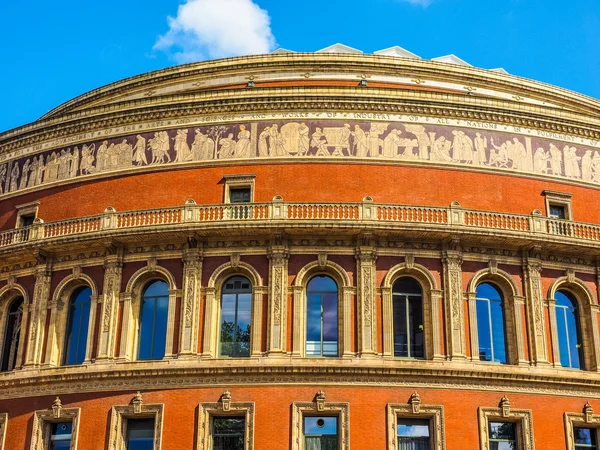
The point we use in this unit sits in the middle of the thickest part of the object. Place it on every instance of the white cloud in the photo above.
(206, 29)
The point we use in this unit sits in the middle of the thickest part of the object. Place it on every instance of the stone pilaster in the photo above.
(532, 270)
(436, 295)
(113, 267)
(38, 307)
(190, 302)
(473, 325)
(367, 325)
(278, 299)
(453, 303)
(519, 305)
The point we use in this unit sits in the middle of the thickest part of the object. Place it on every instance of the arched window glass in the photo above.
(490, 324)
(567, 321)
(153, 320)
(12, 333)
(322, 317)
(77, 326)
(236, 315)
(409, 339)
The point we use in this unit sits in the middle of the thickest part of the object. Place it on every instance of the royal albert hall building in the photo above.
(303, 251)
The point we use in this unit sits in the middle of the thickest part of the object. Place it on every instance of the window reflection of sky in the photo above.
(413, 428)
(311, 427)
(567, 327)
(322, 316)
(236, 316)
(79, 317)
(490, 324)
(153, 320)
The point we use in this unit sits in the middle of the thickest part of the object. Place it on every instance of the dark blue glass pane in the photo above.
(502, 431)
(563, 339)
(562, 299)
(313, 317)
(407, 285)
(156, 288)
(77, 326)
(160, 328)
(486, 290)
(415, 321)
(236, 317)
(330, 317)
(498, 335)
(322, 283)
(568, 330)
(400, 326)
(585, 436)
(147, 328)
(483, 330)
(140, 434)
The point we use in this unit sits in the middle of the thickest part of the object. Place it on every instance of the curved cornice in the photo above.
(556, 109)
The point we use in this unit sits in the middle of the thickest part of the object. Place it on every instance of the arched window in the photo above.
(322, 317)
(77, 326)
(236, 316)
(569, 338)
(490, 324)
(12, 333)
(153, 320)
(409, 337)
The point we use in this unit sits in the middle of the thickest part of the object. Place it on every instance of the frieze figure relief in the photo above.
(393, 141)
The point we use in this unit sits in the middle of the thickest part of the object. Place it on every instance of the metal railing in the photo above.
(280, 211)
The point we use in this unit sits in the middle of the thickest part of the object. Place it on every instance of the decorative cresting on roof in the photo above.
(398, 52)
(452, 59)
(339, 48)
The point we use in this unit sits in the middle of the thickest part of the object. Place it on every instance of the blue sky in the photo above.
(54, 51)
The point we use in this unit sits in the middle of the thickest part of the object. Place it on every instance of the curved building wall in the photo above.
(451, 176)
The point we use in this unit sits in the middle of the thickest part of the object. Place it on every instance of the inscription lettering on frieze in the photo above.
(303, 135)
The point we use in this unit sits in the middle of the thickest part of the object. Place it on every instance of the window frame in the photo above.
(415, 410)
(26, 209)
(503, 304)
(586, 419)
(3, 426)
(320, 407)
(559, 309)
(224, 408)
(562, 199)
(43, 420)
(220, 315)
(238, 181)
(423, 318)
(69, 324)
(522, 418)
(135, 410)
(5, 323)
(139, 325)
(321, 293)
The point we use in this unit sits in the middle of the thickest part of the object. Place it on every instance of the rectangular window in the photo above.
(413, 434)
(61, 435)
(228, 433)
(557, 212)
(503, 436)
(240, 195)
(140, 434)
(320, 433)
(585, 438)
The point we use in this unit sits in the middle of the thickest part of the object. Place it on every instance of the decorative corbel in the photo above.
(410, 261)
(570, 274)
(226, 401)
(137, 403)
(588, 410)
(57, 408)
(322, 258)
(415, 402)
(320, 400)
(505, 406)
(11, 281)
(493, 266)
(235, 260)
(77, 272)
(152, 263)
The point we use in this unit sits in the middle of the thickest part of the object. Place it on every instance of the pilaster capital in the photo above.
(366, 254)
(192, 257)
(278, 255)
(452, 259)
